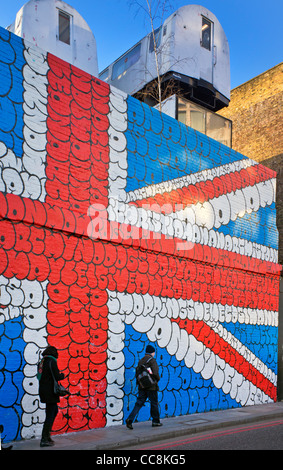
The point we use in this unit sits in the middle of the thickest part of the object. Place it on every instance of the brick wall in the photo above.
(256, 111)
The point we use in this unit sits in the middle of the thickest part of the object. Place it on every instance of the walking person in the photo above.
(147, 393)
(48, 365)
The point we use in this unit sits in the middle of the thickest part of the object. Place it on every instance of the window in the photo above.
(213, 125)
(197, 119)
(129, 59)
(157, 34)
(64, 27)
(104, 75)
(206, 34)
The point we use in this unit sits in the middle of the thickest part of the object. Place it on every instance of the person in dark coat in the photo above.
(46, 392)
(149, 393)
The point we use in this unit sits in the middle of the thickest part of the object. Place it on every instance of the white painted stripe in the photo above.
(191, 231)
(34, 176)
(117, 177)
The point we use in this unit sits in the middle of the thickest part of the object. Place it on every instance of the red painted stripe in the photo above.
(205, 190)
(203, 333)
(77, 170)
(148, 240)
(77, 138)
(203, 274)
(25, 210)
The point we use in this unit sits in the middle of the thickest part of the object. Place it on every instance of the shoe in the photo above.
(46, 443)
(155, 425)
(129, 424)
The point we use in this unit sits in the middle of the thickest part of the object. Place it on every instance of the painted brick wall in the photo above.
(119, 227)
(256, 111)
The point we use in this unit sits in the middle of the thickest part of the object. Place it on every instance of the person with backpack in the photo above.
(147, 376)
(47, 371)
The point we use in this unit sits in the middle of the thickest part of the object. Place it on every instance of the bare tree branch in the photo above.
(154, 12)
(157, 84)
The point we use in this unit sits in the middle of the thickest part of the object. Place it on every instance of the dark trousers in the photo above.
(142, 397)
(50, 415)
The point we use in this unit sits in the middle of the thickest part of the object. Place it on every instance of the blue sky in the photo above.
(253, 29)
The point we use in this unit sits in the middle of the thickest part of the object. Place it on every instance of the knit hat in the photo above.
(150, 349)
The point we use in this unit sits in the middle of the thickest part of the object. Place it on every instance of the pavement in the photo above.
(120, 437)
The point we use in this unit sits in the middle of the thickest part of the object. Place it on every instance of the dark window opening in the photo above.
(206, 34)
(64, 27)
(122, 65)
(207, 122)
(157, 35)
(104, 75)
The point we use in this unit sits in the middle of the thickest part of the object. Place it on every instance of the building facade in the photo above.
(120, 226)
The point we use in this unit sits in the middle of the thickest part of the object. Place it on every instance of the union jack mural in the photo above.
(120, 226)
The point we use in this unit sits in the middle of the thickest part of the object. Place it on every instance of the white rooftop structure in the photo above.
(58, 28)
(191, 50)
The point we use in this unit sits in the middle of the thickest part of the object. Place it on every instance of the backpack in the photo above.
(144, 376)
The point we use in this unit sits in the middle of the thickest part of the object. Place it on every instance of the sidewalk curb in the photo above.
(187, 431)
(116, 438)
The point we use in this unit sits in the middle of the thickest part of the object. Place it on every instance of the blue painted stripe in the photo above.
(261, 340)
(11, 377)
(11, 91)
(258, 227)
(161, 148)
